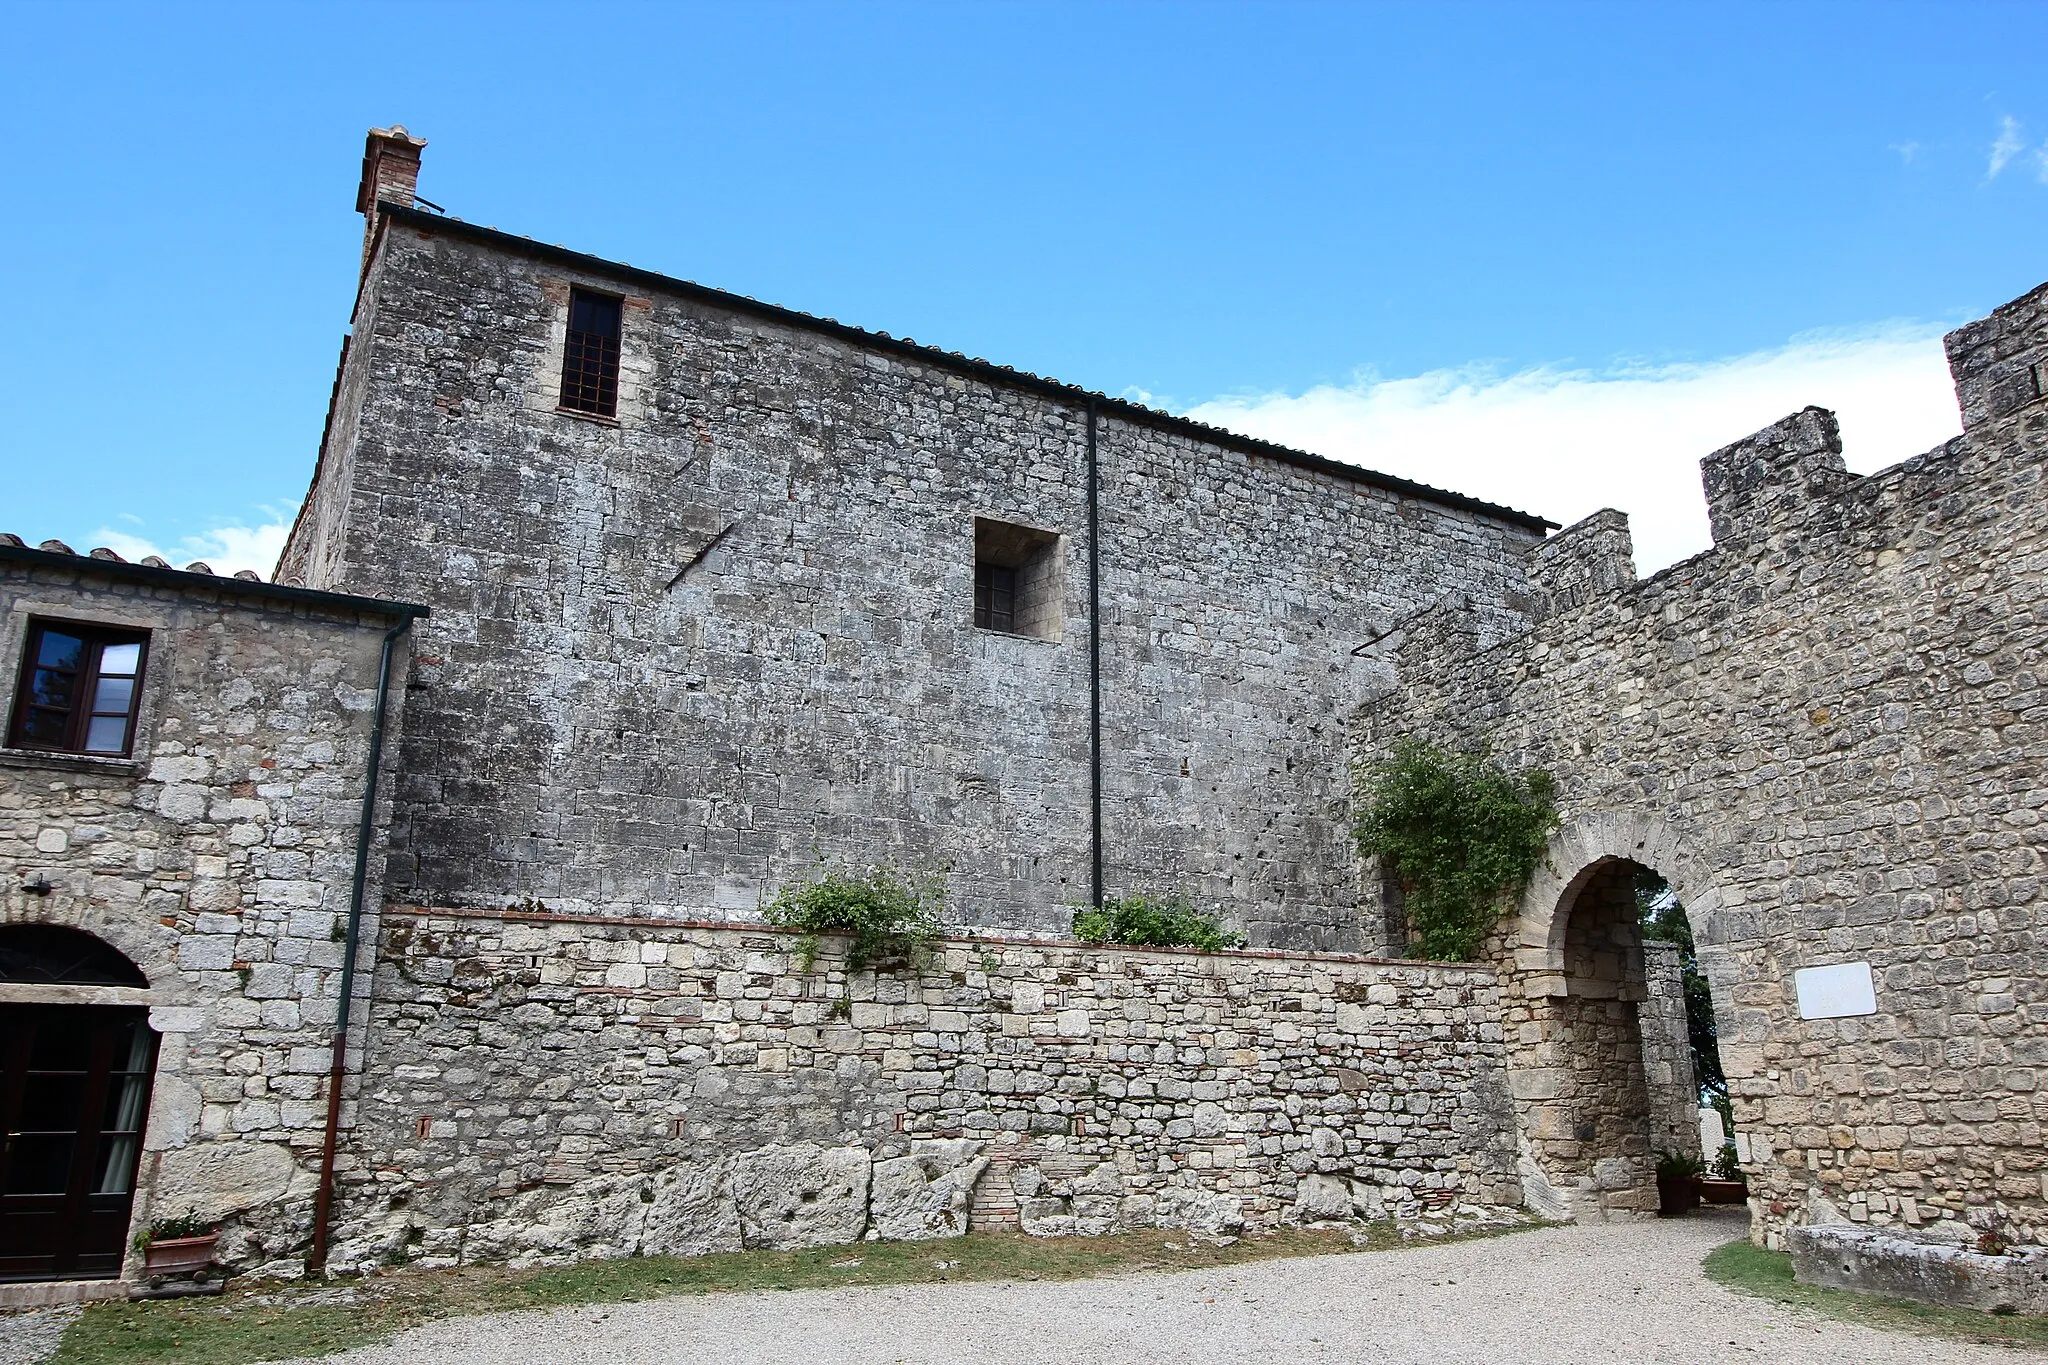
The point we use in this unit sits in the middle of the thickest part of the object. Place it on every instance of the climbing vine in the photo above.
(1459, 834)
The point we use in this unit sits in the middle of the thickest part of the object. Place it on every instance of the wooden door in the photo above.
(74, 1094)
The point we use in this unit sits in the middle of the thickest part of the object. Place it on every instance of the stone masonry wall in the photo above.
(218, 859)
(679, 658)
(549, 1086)
(1828, 732)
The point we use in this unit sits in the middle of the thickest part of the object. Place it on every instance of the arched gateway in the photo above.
(74, 1093)
(1600, 1088)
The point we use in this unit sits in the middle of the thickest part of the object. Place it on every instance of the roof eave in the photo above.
(954, 360)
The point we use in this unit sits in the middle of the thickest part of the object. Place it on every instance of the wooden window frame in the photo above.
(78, 719)
(590, 383)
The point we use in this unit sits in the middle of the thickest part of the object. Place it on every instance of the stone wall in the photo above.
(547, 1086)
(217, 858)
(678, 658)
(1828, 732)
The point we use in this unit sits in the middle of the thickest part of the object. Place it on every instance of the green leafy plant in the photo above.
(1458, 834)
(889, 916)
(175, 1228)
(1679, 1166)
(1165, 921)
(1727, 1166)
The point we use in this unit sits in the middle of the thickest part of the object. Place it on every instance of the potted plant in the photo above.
(1727, 1184)
(177, 1246)
(1678, 1183)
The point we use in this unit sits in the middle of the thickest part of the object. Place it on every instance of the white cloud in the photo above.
(1566, 443)
(227, 549)
(2009, 145)
(1906, 150)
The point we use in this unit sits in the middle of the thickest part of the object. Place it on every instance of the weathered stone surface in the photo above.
(928, 1193)
(771, 555)
(790, 1197)
(216, 1180)
(691, 1211)
(1889, 1262)
(217, 858)
(1211, 1075)
(1828, 733)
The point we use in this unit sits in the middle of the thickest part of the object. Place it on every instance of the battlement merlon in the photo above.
(2000, 363)
(1591, 558)
(1763, 482)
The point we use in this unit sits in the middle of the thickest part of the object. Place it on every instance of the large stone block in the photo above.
(927, 1193)
(1880, 1261)
(691, 1211)
(790, 1197)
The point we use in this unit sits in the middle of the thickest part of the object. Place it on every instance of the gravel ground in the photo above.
(31, 1336)
(1632, 1294)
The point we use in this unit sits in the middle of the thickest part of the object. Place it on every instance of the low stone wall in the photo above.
(547, 1086)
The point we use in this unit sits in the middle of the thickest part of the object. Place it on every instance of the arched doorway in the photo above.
(74, 1094)
(1594, 1108)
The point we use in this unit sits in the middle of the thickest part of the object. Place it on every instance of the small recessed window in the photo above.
(995, 597)
(1017, 580)
(590, 357)
(79, 690)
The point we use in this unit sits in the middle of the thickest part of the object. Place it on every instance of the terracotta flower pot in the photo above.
(1676, 1194)
(179, 1255)
(1724, 1191)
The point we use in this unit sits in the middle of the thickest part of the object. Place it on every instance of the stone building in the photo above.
(713, 593)
(176, 908)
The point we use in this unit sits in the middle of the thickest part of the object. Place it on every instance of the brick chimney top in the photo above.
(391, 173)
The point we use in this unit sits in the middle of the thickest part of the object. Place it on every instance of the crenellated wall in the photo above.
(1829, 734)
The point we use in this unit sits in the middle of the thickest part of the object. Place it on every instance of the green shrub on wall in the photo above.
(1141, 921)
(889, 916)
(1459, 834)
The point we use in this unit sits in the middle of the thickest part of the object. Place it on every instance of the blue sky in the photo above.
(1549, 254)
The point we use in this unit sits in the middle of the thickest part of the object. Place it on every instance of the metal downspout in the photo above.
(1094, 664)
(323, 1202)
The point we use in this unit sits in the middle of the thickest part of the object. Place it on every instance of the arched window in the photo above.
(54, 955)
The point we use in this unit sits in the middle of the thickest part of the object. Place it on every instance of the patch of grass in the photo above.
(1749, 1269)
(271, 1320)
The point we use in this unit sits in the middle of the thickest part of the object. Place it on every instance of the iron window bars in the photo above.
(590, 358)
(995, 597)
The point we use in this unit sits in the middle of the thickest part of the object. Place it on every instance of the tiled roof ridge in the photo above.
(959, 359)
(107, 556)
(153, 568)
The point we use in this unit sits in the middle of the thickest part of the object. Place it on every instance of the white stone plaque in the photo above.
(1835, 992)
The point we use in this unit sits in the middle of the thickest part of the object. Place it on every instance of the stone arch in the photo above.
(1576, 852)
(42, 954)
(144, 944)
(1599, 1064)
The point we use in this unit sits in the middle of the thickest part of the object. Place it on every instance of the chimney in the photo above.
(391, 171)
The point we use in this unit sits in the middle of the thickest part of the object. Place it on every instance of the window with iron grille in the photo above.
(590, 358)
(995, 597)
(79, 690)
(1018, 585)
